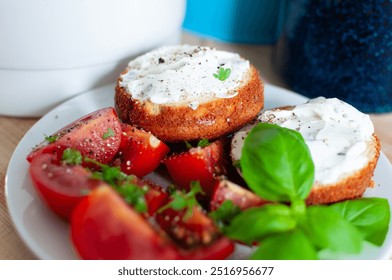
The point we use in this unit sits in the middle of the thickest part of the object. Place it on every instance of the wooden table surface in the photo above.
(13, 129)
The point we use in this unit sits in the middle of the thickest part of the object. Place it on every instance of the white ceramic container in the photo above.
(51, 50)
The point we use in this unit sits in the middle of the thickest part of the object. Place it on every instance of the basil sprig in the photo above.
(277, 165)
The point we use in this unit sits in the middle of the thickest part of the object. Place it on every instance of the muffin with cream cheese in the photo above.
(189, 92)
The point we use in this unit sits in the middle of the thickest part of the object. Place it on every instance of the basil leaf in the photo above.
(293, 245)
(276, 163)
(261, 221)
(370, 215)
(328, 230)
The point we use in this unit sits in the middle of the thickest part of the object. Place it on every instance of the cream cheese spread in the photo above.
(337, 134)
(183, 74)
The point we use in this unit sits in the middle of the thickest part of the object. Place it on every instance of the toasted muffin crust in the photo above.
(179, 122)
(352, 186)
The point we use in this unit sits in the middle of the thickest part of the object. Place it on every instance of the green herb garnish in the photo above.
(110, 174)
(276, 164)
(203, 143)
(72, 156)
(122, 183)
(225, 212)
(223, 73)
(236, 163)
(51, 138)
(134, 195)
(109, 133)
(181, 200)
(188, 145)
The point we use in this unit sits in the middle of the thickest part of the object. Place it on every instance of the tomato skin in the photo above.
(241, 197)
(155, 195)
(198, 164)
(219, 250)
(96, 135)
(104, 227)
(60, 186)
(155, 199)
(189, 232)
(141, 152)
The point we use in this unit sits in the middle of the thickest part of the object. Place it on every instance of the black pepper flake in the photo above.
(161, 60)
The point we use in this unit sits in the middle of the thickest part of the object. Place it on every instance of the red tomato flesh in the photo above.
(140, 151)
(96, 135)
(219, 250)
(198, 164)
(189, 232)
(104, 227)
(155, 195)
(241, 197)
(61, 186)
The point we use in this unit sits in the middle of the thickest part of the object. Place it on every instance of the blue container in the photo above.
(238, 21)
(340, 48)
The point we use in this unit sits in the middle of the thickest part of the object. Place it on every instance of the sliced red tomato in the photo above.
(61, 186)
(241, 197)
(218, 250)
(104, 227)
(155, 195)
(189, 230)
(198, 164)
(140, 151)
(96, 135)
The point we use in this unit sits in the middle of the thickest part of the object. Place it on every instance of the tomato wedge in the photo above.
(198, 164)
(104, 227)
(140, 151)
(96, 135)
(241, 197)
(189, 231)
(218, 250)
(60, 186)
(155, 195)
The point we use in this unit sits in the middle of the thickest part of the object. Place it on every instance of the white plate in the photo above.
(48, 237)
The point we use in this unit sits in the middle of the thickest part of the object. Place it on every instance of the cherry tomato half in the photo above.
(140, 151)
(61, 186)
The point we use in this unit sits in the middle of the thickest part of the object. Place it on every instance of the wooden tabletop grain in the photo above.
(12, 130)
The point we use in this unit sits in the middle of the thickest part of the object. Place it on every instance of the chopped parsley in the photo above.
(110, 174)
(109, 133)
(123, 184)
(203, 143)
(51, 138)
(134, 195)
(72, 156)
(223, 74)
(226, 211)
(181, 200)
(188, 145)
